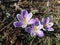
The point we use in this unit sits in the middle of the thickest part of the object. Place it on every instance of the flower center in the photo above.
(35, 28)
(25, 21)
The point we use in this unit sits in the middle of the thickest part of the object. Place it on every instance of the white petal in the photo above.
(42, 19)
(29, 16)
(40, 26)
(49, 25)
(24, 25)
(44, 29)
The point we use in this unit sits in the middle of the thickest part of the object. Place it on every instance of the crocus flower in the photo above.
(35, 29)
(24, 19)
(47, 24)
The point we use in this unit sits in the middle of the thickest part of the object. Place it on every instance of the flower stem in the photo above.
(32, 40)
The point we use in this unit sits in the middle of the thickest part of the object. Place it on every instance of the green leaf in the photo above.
(34, 11)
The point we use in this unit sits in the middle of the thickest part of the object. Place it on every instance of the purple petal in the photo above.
(49, 25)
(50, 29)
(28, 29)
(29, 16)
(45, 21)
(19, 17)
(40, 33)
(32, 21)
(17, 24)
(24, 13)
(37, 22)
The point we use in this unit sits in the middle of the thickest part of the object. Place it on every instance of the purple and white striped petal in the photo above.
(29, 16)
(19, 17)
(45, 21)
(49, 25)
(17, 24)
(33, 33)
(28, 29)
(24, 13)
(50, 29)
(32, 21)
(40, 33)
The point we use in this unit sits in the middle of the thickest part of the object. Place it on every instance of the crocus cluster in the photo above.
(36, 26)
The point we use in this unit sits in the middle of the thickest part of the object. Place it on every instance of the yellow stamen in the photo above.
(25, 21)
(35, 28)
